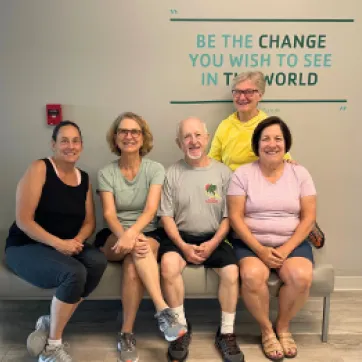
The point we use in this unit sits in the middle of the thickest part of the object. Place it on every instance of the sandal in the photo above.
(288, 344)
(271, 344)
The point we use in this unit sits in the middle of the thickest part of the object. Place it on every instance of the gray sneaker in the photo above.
(126, 347)
(169, 326)
(54, 354)
(228, 347)
(37, 340)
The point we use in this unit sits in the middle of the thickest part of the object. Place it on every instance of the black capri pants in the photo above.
(75, 276)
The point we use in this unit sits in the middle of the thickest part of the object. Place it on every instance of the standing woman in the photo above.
(45, 246)
(130, 191)
(231, 144)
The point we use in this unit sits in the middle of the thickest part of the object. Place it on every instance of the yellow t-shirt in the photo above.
(231, 144)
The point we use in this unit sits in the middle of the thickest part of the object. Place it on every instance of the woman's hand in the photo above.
(125, 243)
(69, 246)
(283, 252)
(142, 247)
(271, 257)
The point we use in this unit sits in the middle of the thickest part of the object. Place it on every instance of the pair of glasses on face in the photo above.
(124, 132)
(247, 92)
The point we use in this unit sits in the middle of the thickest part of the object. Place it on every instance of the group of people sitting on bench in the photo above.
(243, 209)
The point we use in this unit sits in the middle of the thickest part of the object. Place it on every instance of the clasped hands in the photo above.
(273, 257)
(197, 254)
(69, 246)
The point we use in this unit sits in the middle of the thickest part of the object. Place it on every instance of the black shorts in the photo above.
(303, 250)
(222, 256)
(103, 235)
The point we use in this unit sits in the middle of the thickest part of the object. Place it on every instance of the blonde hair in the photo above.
(256, 77)
(146, 133)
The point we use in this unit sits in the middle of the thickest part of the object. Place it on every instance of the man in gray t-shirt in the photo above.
(195, 197)
(194, 215)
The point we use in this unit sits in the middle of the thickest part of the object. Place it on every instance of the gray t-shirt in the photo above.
(195, 196)
(130, 196)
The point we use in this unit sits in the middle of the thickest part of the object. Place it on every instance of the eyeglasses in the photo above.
(125, 132)
(246, 92)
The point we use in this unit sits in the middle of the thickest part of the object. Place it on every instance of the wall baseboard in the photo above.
(348, 283)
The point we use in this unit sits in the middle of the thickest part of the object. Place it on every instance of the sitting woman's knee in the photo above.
(253, 278)
(301, 279)
(73, 284)
(110, 254)
(129, 270)
(99, 263)
(154, 245)
(145, 247)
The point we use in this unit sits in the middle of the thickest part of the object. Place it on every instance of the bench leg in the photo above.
(325, 323)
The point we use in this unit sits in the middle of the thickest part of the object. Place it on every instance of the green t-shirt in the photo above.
(130, 196)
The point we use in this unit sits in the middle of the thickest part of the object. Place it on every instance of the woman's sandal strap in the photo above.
(287, 342)
(271, 344)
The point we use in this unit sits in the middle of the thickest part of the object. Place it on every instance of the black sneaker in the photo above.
(178, 350)
(228, 348)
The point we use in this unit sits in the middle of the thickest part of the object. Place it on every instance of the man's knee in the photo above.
(229, 274)
(170, 266)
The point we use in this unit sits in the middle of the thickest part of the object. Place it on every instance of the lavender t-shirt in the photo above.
(272, 210)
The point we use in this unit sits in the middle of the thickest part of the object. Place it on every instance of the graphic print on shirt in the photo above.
(211, 193)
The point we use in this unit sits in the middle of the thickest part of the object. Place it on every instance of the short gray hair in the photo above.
(256, 77)
(179, 126)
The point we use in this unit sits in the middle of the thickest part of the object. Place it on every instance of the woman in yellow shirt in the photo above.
(231, 144)
(232, 140)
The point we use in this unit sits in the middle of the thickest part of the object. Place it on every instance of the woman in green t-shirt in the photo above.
(130, 191)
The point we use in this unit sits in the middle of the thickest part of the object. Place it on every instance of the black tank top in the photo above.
(61, 209)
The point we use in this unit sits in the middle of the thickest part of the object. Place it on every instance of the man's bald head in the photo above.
(189, 121)
(192, 138)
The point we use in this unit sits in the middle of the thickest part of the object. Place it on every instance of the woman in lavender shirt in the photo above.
(272, 209)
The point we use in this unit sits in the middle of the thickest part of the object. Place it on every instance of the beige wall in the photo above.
(101, 57)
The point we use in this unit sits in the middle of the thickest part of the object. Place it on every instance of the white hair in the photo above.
(256, 77)
(180, 124)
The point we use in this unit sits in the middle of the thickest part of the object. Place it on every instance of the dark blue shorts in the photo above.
(304, 250)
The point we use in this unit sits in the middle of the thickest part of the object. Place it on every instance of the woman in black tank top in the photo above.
(45, 246)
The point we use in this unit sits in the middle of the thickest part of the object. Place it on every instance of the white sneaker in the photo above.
(37, 340)
(54, 354)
